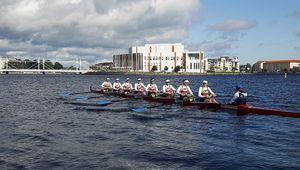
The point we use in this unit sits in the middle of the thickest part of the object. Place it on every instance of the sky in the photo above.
(62, 30)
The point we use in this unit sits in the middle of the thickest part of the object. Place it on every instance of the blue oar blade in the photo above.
(104, 102)
(139, 110)
(64, 94)
(81, 98)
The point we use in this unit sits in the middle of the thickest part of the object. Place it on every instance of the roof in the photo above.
(282, 61)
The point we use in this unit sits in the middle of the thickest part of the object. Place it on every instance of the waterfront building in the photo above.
(276, 66)
(165, 57)
(222, 64)
(102, 66)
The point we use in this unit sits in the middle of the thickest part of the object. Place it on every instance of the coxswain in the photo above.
(205, 94)
(139, 87)
(127, 86)
(185, 91)
(239, 97)
(117, 85)
(152, 89)
(106, 85)
(168, 89)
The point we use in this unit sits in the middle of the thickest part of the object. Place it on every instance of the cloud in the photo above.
(96, 28)
(233, 25)
(298, 34)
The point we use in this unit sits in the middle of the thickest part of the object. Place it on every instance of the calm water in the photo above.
(39, 131)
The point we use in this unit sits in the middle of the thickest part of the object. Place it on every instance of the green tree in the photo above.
(166, 68)
(177, 69)
(48, 64)
(154, 68)
(58, 66)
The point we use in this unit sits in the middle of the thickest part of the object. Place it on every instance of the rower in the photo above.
(168, 89)
(239, 97)
(206, 94)
(185, 91)
(139, 87)
(117, 85)
(152, 89)
(127, 86)
(106, 85)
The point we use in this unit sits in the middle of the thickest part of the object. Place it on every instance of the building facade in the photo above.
(165, 57)
(222, 64)
(277, 66)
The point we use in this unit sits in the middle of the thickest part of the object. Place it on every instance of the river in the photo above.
(39, 131)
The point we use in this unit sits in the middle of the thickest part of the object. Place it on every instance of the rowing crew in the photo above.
(205, 93)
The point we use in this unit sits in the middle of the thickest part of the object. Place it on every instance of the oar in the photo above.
(89, 104)
(144, 109)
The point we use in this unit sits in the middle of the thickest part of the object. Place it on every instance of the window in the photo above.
(191, 65)
(172, 58)
(166, 58)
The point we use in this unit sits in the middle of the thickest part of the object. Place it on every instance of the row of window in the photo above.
(194, 66)
(162, 58)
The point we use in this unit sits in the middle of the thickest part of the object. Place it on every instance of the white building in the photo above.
(222, 64)
(164, 56)
(193, 62)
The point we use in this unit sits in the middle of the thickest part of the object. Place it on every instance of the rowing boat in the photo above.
(241, 109)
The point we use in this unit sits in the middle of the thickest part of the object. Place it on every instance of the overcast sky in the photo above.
(61, 30)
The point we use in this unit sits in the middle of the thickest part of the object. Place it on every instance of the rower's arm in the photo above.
(235, 96)
(102, 85)
(135, 86)
(147, 88)
(190, 91)
(211, 92)
(143, 86)
(199, 92)
(178, 90)
(156, 88)
(173, 88)
(164, 88)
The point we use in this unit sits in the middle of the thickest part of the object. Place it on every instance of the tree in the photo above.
(166, 68)
(154, 68)
(177, 69)
(248, 67)
(58, 66)
(49, 64)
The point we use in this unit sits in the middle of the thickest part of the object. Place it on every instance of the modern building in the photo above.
(165, 57)
(102, 66)
(277, 66)
(222, 64)
(193, 62)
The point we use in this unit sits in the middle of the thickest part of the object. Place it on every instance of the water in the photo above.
(39, 131)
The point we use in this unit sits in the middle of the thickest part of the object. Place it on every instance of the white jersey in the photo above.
(117, 86)
(205, 92)
(106, 84)
(139, 87)
(127, 86)
(237, 95)
(167, 88)
(151, 87)
(184, 89)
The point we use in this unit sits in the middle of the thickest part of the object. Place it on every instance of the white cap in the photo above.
(167, 81)
(127, 78)
(117, 79)
(139, 79)
(205, 82)
(152, 79)
(186, 81)
(107, 78)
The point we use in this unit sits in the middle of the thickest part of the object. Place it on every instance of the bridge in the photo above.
(38, 67)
